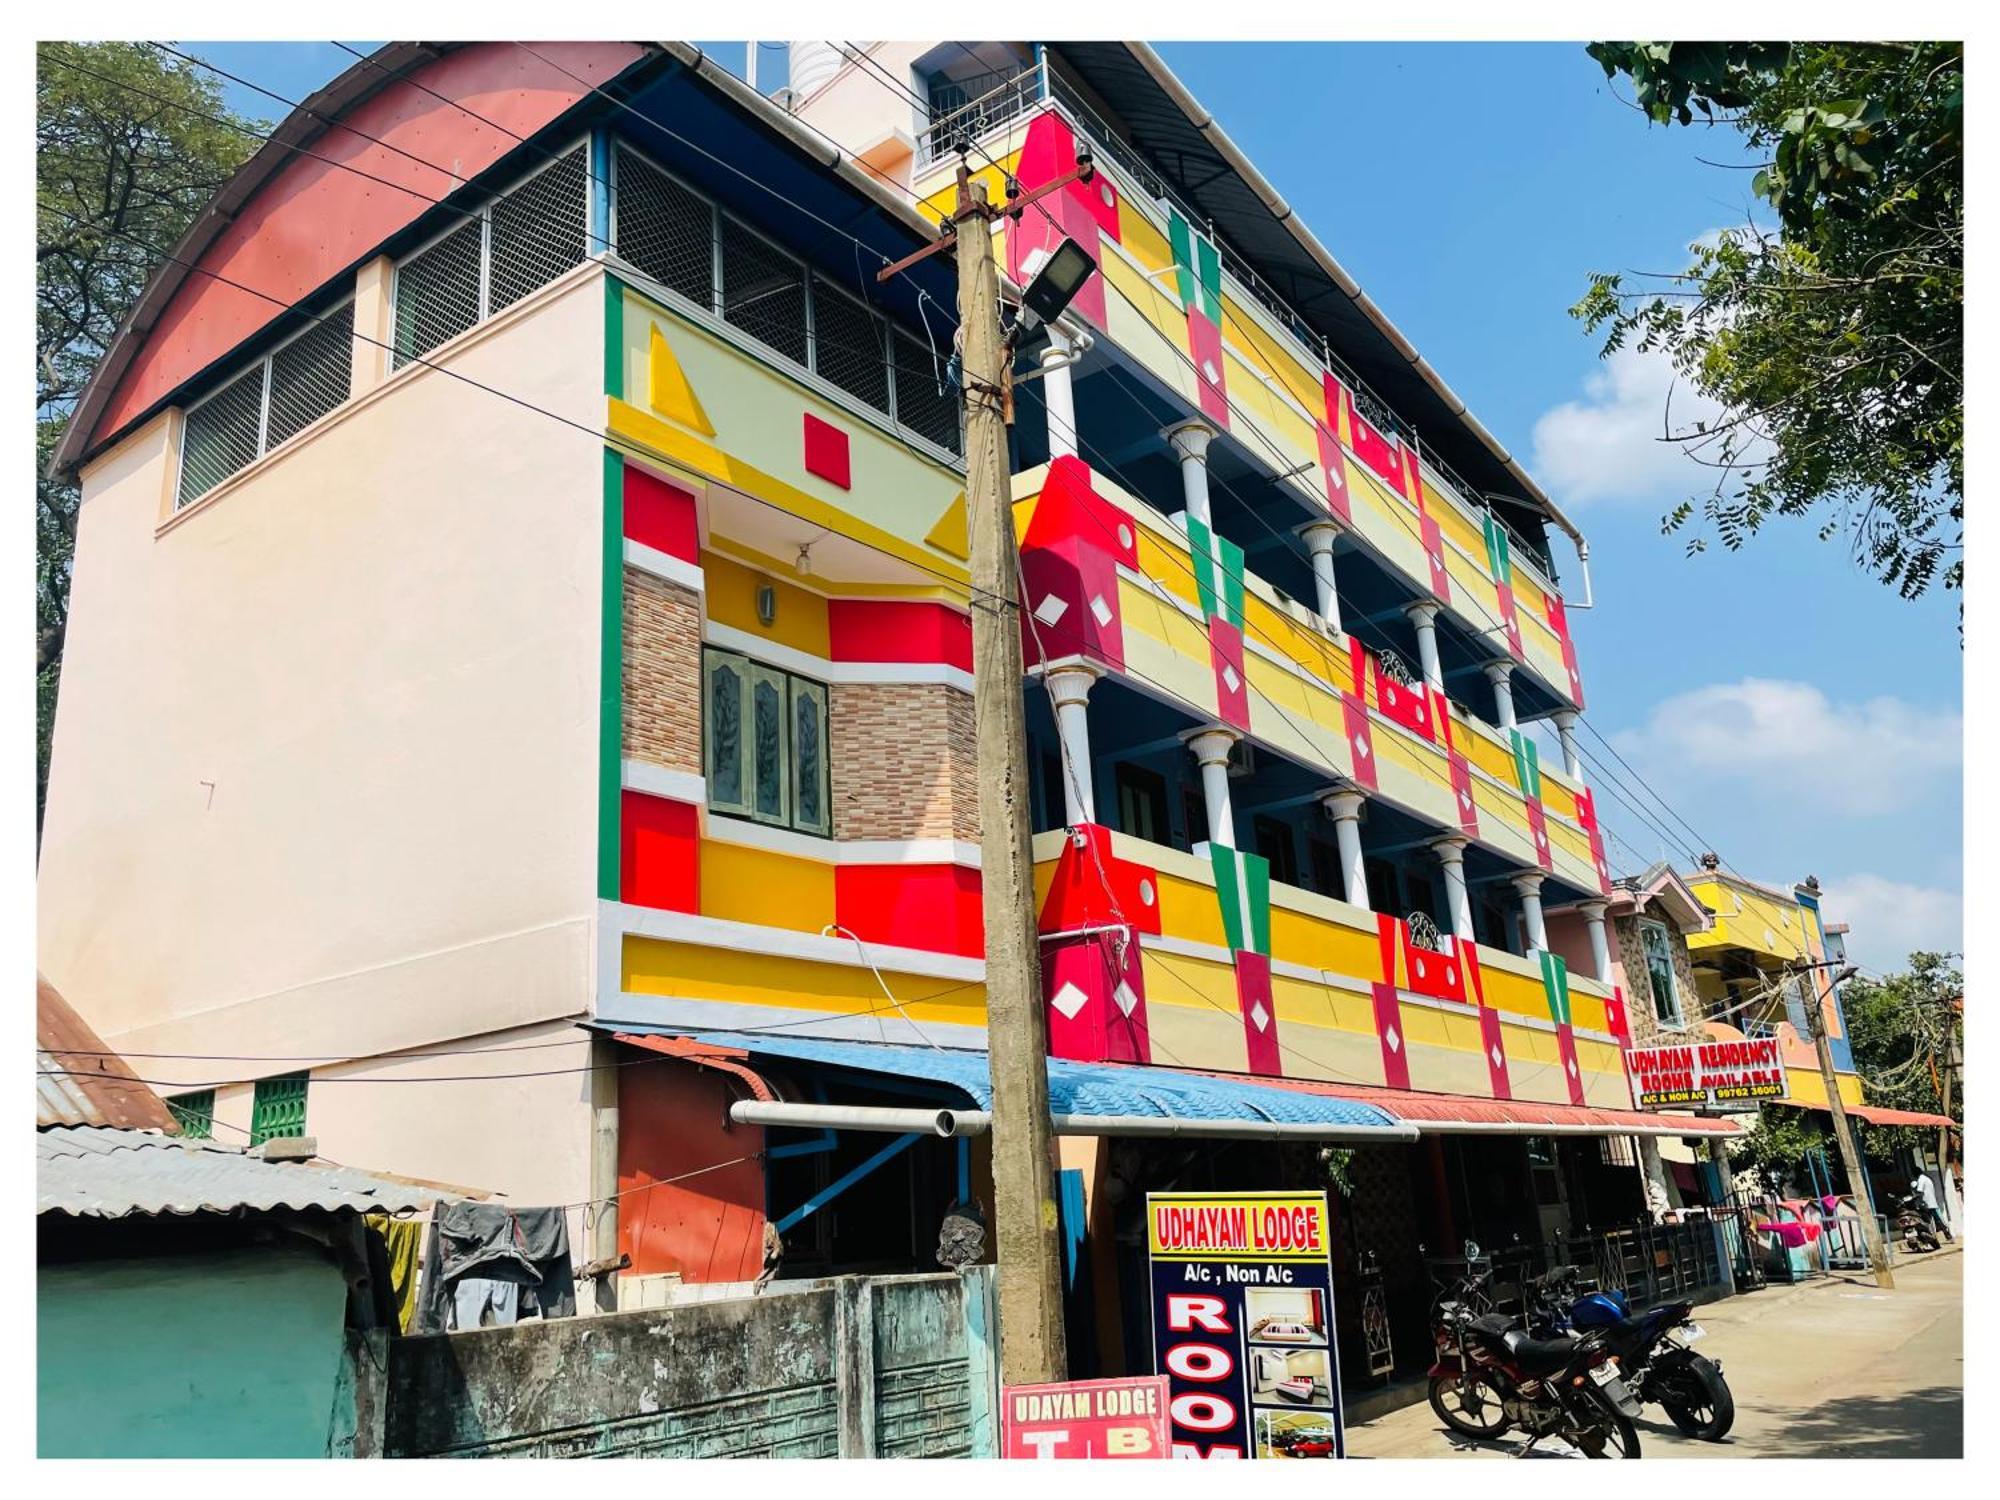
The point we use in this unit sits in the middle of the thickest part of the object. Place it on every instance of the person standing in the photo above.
(1927, 1195)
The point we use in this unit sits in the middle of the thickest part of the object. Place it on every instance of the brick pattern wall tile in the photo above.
(904, 761)
(662, 673)
(1646, 1028)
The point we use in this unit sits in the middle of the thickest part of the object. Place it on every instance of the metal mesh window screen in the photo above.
(848, 346)
(437, 293)
(311, 376)
(665, 230)
(921, 405)
(763, 291)
(278, 1107)
(538, 231)
(221, 434)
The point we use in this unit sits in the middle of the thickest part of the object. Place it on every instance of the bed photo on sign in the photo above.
(1294, 1434)
(1278, 1315)
(1299, 1377)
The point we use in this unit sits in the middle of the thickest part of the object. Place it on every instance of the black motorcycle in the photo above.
(1491, 1374)
(1914, 1225)
(1652, 1349)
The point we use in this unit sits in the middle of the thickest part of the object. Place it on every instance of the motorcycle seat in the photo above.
(1539, 1356)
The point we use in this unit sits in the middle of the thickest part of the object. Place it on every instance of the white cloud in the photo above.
(1789, 738)
(1891, 919)
(1607, 446)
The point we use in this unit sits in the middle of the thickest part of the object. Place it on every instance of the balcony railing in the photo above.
(964, 110)
(1308, 341)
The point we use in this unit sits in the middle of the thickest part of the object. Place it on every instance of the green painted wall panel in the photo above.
(234, 1354)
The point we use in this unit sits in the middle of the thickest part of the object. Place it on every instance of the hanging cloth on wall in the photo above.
(528, 1247)
(404, 1241)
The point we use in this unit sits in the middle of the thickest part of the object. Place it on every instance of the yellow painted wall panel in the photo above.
(1332, 1053)
(1168, 565)
(1300, 939)
(1259, 348)
(1189, 911)
(731, 589)
(741, 884)
(1282, 425)
(693, 971)
(1140, 239)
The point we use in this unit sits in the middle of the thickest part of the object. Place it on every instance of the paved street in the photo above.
(1832, 1369)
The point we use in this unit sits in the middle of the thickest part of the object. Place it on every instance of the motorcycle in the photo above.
(1652, 1349)
(1492, 1374)
(1914, 1226)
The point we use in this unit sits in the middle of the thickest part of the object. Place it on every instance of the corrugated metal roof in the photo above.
(79, 1080)
(1075, 1088)
(93, 1172)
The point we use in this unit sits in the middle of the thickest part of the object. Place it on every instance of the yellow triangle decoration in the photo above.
(668, 391)
(949, 534)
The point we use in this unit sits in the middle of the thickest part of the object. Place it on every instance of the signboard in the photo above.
(1724, 1075)
(1085, 1419)
(1243, 1324)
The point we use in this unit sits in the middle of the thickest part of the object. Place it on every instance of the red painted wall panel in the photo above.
(659, 853)
(671, 1119)
(312, 220)
(661, 516)
(933, 907)
(899, 630)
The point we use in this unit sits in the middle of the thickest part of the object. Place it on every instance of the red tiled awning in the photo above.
(1876, 1114)
(1472, 1114)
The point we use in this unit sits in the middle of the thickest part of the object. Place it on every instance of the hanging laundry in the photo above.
(525, 1247)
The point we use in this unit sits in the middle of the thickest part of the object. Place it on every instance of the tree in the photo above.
(1903, 1030)
(129, 146)
(1776, 1146)
(1833, 344)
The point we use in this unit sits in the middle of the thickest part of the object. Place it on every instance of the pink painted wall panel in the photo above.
(312, 220)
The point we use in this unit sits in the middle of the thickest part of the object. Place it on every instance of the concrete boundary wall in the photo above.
(852, 1367)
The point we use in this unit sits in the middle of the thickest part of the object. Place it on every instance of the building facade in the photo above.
(517, 704)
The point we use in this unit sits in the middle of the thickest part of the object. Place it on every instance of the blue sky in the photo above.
(1798, 715)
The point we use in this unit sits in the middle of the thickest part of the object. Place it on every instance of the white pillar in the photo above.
(1344, 807)
(1451, 855)
(1500, 674)
(1069, 689)
(1320, 537)
(1600, 945)
(1566, 732)
(1424, 615)
(1211, 753)
(1530, 887)
(1058, 396)
(1659, 1200)
(1190, 442)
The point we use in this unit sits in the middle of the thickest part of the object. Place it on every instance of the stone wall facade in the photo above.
(1639, 1010)
(662, 675)
(904, 761)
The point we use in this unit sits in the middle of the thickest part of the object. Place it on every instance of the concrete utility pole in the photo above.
(1017, 1036)
(1843, 1130)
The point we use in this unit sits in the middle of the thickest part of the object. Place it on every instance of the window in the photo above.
(519, 242)
(285, 392)
(1194, 818)
(1142, 803)
(670, 232)
(1274, 843)
(1383, 894)
(278, 1108)
(764, 739)
(1325, 873)
(194, 1113)
(1659, 953)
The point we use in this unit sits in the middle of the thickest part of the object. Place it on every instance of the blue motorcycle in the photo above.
(1651, 1348)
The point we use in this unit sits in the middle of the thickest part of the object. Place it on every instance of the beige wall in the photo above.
(857, 107)
(325, 762)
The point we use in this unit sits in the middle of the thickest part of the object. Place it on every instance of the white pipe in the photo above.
(957, 1122)
(944, 1122)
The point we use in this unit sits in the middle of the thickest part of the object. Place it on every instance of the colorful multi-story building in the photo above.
(516, 722)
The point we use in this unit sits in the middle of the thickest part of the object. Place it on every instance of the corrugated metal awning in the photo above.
(1470, 1114)
(1078, 1092)
(79, 1080)
(96, 1173)
(1879, 1114)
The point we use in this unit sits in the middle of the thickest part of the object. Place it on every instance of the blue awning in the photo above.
(1114, 1093)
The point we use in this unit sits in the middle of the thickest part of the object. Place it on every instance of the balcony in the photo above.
(1145, 960)
(1184, 641)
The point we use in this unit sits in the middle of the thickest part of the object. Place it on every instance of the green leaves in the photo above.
(1834, 346)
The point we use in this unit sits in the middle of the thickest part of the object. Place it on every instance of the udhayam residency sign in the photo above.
(1719, 1074)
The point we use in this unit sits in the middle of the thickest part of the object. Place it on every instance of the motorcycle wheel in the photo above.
(1697, 1399)
(1468, 1404)
(1613, 1437)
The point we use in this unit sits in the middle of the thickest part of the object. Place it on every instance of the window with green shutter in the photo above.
(279, 1108)
(195, 1113)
